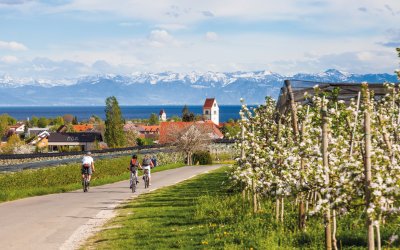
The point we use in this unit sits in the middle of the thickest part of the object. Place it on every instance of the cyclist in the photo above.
(147, 164)
(87, 166)
(133, 167)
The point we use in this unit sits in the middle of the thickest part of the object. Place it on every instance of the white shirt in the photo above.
(87, 160)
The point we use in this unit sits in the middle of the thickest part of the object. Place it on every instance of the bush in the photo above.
(202, 157)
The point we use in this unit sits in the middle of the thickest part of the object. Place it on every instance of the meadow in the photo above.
(208, 213)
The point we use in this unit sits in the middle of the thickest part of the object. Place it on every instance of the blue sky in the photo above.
(72, 38)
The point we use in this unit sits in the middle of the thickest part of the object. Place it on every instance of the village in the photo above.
(21, 138)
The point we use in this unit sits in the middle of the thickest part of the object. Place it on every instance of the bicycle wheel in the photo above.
(85, 184)
(146, 180)
(133, 183)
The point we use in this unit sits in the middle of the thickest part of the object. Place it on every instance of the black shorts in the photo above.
(86, 170)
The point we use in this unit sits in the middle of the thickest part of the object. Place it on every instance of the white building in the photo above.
(162, 116)
(211, 110)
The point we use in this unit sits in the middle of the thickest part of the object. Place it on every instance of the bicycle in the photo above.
(146, 178)
(85, 183)
(133, 181)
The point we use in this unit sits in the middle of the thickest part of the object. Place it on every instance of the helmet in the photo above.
(134, 156)
(88, 153)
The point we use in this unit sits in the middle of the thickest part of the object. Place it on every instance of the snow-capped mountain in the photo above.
(162, 88)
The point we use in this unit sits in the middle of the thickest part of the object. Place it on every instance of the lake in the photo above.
(128, 112)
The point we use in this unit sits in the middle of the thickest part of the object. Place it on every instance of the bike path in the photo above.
(62, 221)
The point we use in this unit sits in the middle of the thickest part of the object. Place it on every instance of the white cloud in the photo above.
(171, 26)
(211, 36)
(161, 38)
(12, 46)
(9, 59)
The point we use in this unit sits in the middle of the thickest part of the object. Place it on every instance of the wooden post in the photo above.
(334, 240)
(242, 156)
(324, 149)
(295, 126)
(254, 189)
(367, 164)
(355, 124)
(277, 210)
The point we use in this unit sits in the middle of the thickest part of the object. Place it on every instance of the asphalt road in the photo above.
(62, 221)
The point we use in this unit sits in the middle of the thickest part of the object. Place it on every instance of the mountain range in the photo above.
(163, 88)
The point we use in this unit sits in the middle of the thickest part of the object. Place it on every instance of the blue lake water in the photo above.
(128, 112)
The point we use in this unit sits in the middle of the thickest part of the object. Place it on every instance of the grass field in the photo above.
(205, 213)
(64, 178)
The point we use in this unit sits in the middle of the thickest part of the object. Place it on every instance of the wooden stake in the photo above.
(293, 108)
(324, 149)
(367, 164)
(334, 240)
(355, 124)
(277, 210)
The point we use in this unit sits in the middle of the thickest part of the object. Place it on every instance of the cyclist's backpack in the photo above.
(154, 161)
(146, 162)
(134, 164)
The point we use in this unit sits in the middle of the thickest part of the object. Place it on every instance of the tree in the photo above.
(13, 142)
(42, 122)
(131, 138)
(187, 116)
(153, 120)
(230, 129)
(114, 133)
(175, 118)
(195, 137)
(34, 121)
(75, 120)
(398, 71)
(58, 121)
(3, 124)
(68, 118)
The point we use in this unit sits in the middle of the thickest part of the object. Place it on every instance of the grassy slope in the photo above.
(64, 178)
(203, 214)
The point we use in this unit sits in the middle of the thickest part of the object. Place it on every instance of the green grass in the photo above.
(204, 213)
(65, 178)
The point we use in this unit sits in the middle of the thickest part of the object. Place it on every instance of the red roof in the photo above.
(153, 129)
(167, 127)
(209, 103)
(83, 127)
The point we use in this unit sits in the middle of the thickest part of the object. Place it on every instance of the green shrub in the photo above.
(202, 157)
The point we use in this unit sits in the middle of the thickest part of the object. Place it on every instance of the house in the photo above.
(35, 131)
(84, 140)
(41, 140)
(143, 131)
(169, 128)
(211, 110)
(18, 129)
(162, 116)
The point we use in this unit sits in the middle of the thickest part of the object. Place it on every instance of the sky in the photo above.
(55, 39)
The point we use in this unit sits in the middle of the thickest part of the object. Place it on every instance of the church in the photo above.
(211, 110)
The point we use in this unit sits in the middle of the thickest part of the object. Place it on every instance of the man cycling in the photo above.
(147, 164)
(87, 166)
(133, 167)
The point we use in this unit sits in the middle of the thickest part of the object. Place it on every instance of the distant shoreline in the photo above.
(129, 112)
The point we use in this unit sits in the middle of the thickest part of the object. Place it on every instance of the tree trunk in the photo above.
(254, 197)
(282, 209)
(378, 236)
(277, 210)
(367, 165)
(324, 149)
(334, 241)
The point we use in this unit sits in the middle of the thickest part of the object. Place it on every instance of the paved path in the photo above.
(58, 221)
